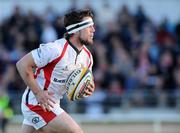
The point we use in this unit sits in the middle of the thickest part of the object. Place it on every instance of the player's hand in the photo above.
(89, 89)
(45, 100)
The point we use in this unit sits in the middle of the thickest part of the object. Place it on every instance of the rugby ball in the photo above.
(77, 82)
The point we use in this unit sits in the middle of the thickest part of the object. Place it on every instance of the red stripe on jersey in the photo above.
(37, 72)
(47, 116)
(89, 54)
(48, 69)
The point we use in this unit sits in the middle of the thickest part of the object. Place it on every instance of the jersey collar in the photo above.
(77, 51)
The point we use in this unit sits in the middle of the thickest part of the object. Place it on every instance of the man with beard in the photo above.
(54, 62)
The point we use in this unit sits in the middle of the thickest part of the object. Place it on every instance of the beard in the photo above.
(85, 42)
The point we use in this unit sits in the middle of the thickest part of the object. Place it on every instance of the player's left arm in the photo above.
(91, 87)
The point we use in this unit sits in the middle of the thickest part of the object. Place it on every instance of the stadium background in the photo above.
(136, 61)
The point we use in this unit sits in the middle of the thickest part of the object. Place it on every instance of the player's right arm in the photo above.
(25, 68)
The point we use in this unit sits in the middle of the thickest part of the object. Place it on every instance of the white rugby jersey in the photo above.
(55, 61)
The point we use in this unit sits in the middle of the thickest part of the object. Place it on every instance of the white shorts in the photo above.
(36, 117)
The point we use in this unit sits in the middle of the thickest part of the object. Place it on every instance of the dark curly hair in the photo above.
(76, 16)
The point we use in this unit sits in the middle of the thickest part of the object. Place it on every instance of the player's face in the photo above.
(86, 35)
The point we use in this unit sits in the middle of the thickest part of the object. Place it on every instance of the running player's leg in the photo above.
(27, 129)
(63, 123)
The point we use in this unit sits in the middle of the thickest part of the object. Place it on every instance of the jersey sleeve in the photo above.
(45, 54)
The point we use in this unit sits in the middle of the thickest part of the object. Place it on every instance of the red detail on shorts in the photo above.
(48, 69)
(89, 55)
(47, 116)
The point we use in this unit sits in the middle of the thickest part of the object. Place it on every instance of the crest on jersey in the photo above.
(35, 120)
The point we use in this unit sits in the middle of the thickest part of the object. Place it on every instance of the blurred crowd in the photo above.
(136, 61)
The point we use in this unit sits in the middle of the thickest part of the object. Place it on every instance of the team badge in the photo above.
(35, 120)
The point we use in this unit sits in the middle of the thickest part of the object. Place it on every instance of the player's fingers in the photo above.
(90, 88)
(48, 107)
(51, 99)
(51, 93)
(51, 103)
(88, 92)
(92, 85)
(43, 107)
